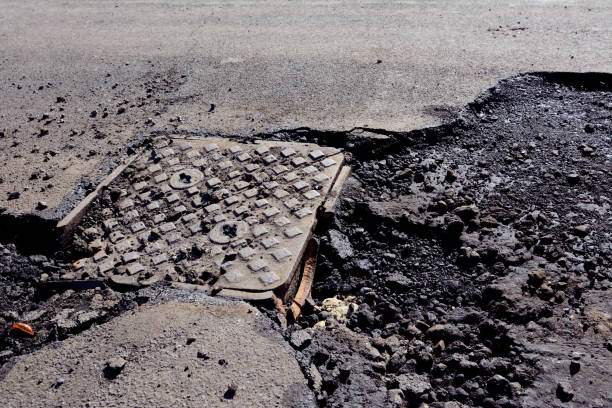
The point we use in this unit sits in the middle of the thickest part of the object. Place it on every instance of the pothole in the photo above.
(453, 250)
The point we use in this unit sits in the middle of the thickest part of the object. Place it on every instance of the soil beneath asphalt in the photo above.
(467, 264)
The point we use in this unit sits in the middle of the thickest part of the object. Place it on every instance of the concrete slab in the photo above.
(176, 354)
(80, 78)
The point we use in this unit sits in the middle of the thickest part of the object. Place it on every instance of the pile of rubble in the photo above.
(476, 259)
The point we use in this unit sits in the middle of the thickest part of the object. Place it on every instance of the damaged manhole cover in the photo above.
(240, 214)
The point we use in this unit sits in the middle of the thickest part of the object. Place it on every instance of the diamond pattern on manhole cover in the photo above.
(213, 207)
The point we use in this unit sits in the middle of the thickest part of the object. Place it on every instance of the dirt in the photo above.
(472, 261)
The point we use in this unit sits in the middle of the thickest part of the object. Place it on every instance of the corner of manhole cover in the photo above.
(248, 209)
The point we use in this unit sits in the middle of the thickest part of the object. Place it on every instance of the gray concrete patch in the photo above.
(176, 354)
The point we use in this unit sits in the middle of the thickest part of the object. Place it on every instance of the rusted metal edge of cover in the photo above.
(303, 291)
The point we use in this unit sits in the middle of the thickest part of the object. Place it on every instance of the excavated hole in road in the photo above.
(412, 257)
(440, 246)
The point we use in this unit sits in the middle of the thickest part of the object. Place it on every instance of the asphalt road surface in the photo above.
(263, 65)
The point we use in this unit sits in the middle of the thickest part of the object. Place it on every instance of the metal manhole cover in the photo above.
(214, 207)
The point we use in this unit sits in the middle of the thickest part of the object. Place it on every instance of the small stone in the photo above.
(41, 205)
(498, 385)
(231, 391)
(91, 233)
(468, 367)
(573, 178)
(467, 212)
(412, 384)
(515, 388)
(454, 228)
(395, 397)
(341, 245)
(586, 149)
(545, 292)
(300, 339)
(536, 277)
(203, 355)
(489, 222)
(564, 391)
(68, 276)
(398, 282)
(446, 332)
(38, 259)
(451, 176)
(421, 326)
(345, 372)
(581, 230)
(574, 367)
(439, 347)
(113, 367)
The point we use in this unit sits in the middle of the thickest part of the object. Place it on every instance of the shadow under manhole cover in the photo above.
(240, 213)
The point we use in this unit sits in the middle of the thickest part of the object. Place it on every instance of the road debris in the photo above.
(21, 329)
(113, 367)
(337, 308)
